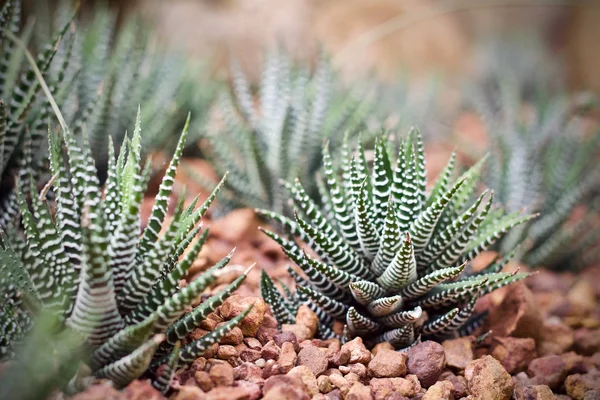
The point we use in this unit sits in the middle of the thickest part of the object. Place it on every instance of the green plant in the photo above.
(113, 69)
(543, 160)
(282, 135)
(36, 372)
(525, 56)
(24, 112)
(412, 101)
(90, 266)
(392, 260)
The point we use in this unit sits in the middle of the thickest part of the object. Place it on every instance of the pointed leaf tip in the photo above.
(159, 338)
(247, 271)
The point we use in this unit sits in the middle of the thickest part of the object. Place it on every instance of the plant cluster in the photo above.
(24, 112)
(111, 70)
(81, 283)
(88, 264)
(542, 160)
(279, 135)
(391, 260)
(408, 102)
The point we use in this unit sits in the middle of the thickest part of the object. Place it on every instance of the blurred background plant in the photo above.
(543, 153)
(277, 134)
(24, 111)
(111, 66)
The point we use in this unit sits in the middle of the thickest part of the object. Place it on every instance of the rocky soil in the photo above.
(544, 344)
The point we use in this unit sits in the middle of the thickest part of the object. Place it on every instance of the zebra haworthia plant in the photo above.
(90, 265)
(24, 112)
(543, 160)
(391, 259)
(110, 70)
(281, 136)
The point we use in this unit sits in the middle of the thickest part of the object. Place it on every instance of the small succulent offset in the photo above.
(543, 161)
(117, 289)
(281, 137)
(24, 112)
(392, 260)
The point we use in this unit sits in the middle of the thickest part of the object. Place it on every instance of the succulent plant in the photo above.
(386, 258)
(281, 136)
(410, 101)
(524, 55)
(24, 112)
(89, 264)
(543, 161)
(111, 70)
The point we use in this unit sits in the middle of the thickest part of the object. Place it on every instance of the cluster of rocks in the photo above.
(540, 349)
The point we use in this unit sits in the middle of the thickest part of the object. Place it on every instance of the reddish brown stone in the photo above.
(578, 385)
(226, 352)
(442, 390)
(265, 334)
(518, 315)
(235, 225)
(314, 359)
(252, 390)
(459, 383)
(233, 337)
(248, 372)
(358, 391)
(536, 392)
(203, 380)
(587, 341)
(383, 388)
(341, 383)
(211, 351)
(515, 354)
(300, 331)
(340, 357)
(388, 364)
(282, 337)
(335, 394)
(548, 370)
(381, 346)
(459, 352)
(357, 369)
(324, 384)
(221, 374)
(358, 351)
(426, 360)
(211, 321)
(187, 393)
(253, 343)
(556, 337)
(284, 385)
(250, 355)
(287, 357)
(270, 351)
(304, 374)
(487, 379)
(269, 321)
(236, 304)
(141, 389)
(307, 318)
(576, 363)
